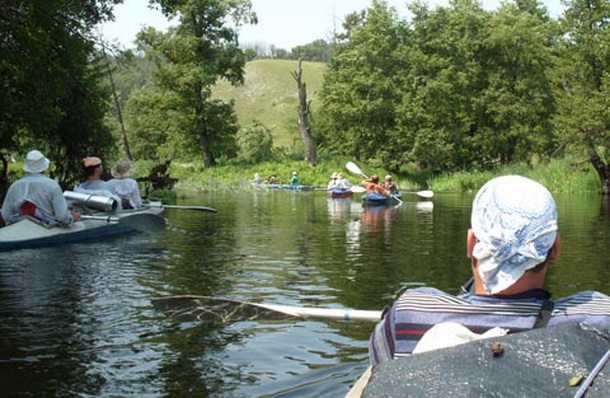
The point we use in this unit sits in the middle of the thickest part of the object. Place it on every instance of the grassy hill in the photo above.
(269, 95)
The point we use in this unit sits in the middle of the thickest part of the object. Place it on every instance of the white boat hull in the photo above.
(29, 233)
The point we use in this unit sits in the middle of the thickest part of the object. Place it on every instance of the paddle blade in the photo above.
(215, 310)
(144, 222)
(353, 167)
(196, 208)
(357, 189)
(425, 194)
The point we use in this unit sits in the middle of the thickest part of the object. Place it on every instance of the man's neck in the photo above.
(529, 281)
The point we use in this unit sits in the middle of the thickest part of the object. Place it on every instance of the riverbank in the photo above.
(567, 175)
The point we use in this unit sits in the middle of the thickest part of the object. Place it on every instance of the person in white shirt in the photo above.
(125, 188)
(93, 173)
(333, 181)
(342, 182)
(36, 195)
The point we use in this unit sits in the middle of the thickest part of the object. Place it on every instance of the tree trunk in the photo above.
(603, 170)
(208, 158)
(303, 118)
(118, 109)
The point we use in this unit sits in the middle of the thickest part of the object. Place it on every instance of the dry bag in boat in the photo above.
(96, 202)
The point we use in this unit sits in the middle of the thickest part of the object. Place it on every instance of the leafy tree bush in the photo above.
(255, 143)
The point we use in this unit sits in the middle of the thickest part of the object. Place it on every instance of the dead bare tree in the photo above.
(303, 117)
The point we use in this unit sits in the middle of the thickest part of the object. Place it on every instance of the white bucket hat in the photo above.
(35, 162)
(123, 168)
(515, 221)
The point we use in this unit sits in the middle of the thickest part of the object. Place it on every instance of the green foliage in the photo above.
(456, 87)
(318, 50)
(584, 99)
(362, 85)
(568, 174)
(191, 57)
(255, 143)
(51, 94)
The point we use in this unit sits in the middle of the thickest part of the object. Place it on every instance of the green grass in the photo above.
(568, 174)
(228, 177)
(269, 95)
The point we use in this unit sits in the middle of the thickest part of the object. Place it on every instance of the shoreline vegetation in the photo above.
(565, 175)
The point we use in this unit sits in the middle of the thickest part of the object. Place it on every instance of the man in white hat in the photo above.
(333, 183)
(36, 195)
(512, 240)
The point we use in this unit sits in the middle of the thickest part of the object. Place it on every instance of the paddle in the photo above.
(353, 167)
(220, 310)
(143, 222)
(196, 208)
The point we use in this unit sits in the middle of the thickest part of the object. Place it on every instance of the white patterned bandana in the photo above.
(515, 222)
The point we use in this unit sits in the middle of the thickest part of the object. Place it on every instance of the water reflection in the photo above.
(77, 319)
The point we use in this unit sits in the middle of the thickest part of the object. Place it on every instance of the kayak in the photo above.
(286, 187)
(29, 232)
(542, 362)
(340, 193)
(375, 199)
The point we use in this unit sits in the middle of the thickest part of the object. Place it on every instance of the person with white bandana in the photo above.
(36, 195)
(512, 240)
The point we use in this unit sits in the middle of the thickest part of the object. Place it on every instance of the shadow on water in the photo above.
(77, 319)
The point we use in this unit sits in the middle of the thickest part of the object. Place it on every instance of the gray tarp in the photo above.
(538, 363)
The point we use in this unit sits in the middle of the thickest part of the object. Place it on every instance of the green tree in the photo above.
(193, 56)
(318, 50)
(255, 143)
(584, 114)
(49, 80)
(362, 84)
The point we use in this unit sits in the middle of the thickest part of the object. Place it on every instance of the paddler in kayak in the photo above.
(372, 186)
(511, 243)
(36, 195)
(124, 187)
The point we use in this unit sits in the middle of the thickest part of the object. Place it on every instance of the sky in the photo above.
(282, 23)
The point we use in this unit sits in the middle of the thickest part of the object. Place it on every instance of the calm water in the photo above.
(77, 319)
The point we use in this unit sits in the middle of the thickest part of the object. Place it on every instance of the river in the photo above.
(77, 319)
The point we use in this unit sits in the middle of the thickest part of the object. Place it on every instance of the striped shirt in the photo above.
(417, 310)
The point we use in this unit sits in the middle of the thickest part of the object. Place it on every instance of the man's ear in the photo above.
(470, 242)
(554, 254)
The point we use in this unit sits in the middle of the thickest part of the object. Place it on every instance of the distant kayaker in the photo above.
(333, 183)
(257, 178)
(125, 188)
(512, 240)
(294, 180)
(372, 186)
(342, 182)
(36, 195)
(390, 185)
